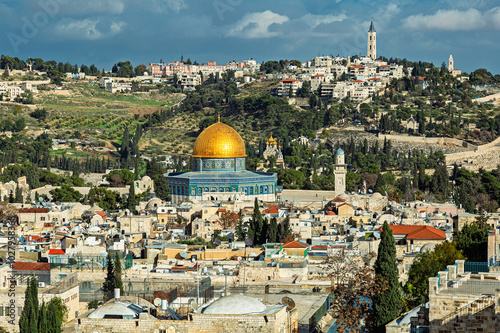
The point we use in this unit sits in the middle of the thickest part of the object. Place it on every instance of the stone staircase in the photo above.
(469, 309)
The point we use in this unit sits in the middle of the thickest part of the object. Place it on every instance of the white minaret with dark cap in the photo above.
(372, 42)
(340, 171)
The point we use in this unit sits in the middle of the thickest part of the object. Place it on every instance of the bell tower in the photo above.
(372, 42)
(450, 63)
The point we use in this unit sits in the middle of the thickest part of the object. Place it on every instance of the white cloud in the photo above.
(93, 6)
(7, 14)
(256, 25)
(453, 20)
(172, 5)
(88, 29)
(316, 20)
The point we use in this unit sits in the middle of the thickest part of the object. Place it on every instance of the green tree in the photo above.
(472, 240)
(240, 228)
(427, 265)
(284, 229)
(126, 176)
(65, 194)
(28, 321)
(19, 195)
(42, 321)
(131, 199)
(162, 190)
(104, 198)
(272, 231)
(20, 124)
(387, 304)
(108, 286)
(118, 273)
(256, 224)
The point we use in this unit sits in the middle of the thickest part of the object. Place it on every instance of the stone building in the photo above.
(66, 289)
(219, 171)
(411, 238)
(233, 313)
(372, 42)
(135, 223)
(145, 184)
(459, 301)
(272, 149)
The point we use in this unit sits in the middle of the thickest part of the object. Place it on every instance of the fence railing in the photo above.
(82, 262)
(470, 308)
(470, 287)
(476, 267)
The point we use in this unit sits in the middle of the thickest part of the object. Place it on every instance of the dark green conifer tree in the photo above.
(118, 273)
(387, 304)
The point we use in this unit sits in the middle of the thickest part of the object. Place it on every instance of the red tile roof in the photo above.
(33, 210)
(289, 80)
(417, 232)
(319, 247)
(338, 199)
(56, 252)
(358, 81)
(357, 66)
(344, 204)
(330, 213)
(101, 213)
(34, 238)
(384, 66)
(318, 75)
(31, 266)
(294, 245)
(272, 210)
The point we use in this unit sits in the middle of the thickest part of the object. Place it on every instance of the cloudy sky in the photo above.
(143, 31)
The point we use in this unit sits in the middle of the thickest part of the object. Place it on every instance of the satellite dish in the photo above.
(40, 199)
(216, 242)
(194, 305)
(58, 203)
(183, 254)
(157, 302)
(248, 242)
(290, 303)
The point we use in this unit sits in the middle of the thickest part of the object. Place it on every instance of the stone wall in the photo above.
(482, 321)
(280, 321)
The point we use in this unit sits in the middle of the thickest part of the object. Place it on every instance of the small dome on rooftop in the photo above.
(235, 304)
(340, 151)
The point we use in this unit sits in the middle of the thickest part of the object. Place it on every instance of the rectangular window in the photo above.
(42, 218)
(7, 311)
(1, 310)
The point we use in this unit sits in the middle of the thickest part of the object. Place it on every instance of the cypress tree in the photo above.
(19, 195)
(131, 202)
(42, 319)
(118, 272)
(257, 223)
(272, 231)
(240, 231)
(386, 304)
(109, 282)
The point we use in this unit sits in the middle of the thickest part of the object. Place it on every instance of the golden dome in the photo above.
(219, 141)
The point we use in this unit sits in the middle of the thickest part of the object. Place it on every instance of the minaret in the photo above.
(372, 42)
(450, 64)
(348, 61)
(339, 172)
